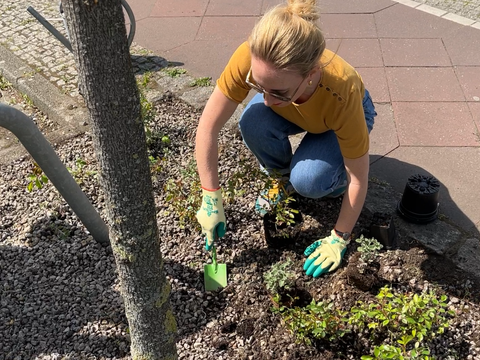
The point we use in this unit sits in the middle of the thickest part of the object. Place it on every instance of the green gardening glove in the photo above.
(324, 255)
(211, 216)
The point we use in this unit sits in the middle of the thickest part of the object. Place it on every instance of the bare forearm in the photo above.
(216, 113)
(354, 198)
(206, 153)
(352, 205)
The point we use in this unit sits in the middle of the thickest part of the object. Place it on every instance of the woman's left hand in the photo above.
(324, 255)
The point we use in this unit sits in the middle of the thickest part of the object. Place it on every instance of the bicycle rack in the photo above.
(44, 155)
(64, 40)
(50, 28)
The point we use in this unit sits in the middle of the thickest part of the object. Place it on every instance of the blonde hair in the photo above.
(288, 37)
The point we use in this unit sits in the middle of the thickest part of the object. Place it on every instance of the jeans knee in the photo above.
(316, 185)
(309, 186)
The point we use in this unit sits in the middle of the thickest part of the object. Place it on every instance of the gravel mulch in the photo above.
(59, 294)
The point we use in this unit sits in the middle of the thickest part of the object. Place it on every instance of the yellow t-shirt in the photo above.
(337, 103)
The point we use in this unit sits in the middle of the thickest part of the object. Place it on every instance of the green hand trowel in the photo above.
(214, 275)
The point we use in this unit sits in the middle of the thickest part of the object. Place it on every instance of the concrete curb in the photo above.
(66, 112)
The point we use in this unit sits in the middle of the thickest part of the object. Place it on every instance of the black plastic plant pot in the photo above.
(419, 203)
(281, 236)
(383, 229)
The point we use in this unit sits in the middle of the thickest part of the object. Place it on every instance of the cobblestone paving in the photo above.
(26, 38)
(466, 8)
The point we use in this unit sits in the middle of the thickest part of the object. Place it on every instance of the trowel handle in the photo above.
(214, 257)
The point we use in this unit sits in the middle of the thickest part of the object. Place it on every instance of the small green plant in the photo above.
(368, 249)
(403, 323)
(147, 109)
(26, 22)
(79, 172)
(27, 100)
(386, 351)
(407, 319)
(155, 164)
(184, 196)
(174, 72)
(29, 74)
(65, 79)
(280, 276)
(4, 83)
(318, 320)
(202, 81)
(36, 178)
(281, 210)
(284, 214)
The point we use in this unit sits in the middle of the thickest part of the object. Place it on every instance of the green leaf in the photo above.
(30, 186)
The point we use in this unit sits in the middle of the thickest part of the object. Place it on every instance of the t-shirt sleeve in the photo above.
(232, 80)
(350, 126)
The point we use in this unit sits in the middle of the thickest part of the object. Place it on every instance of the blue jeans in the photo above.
(316, 168)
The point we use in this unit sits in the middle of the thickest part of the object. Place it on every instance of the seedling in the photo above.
(280, 277)
(79, 171)
(36, 178)
(147, 109)
(202, 81)
(184, 196)
(4, 83)
(368, 250)
(174, 72)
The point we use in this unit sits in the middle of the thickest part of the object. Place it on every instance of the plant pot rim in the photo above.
(415, 217)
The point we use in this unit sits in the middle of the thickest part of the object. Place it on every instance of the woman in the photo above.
(302, 88)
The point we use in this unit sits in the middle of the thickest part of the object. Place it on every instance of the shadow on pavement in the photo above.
(396, 173)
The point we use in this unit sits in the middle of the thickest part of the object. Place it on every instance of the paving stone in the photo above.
(468, 256)
(348, 26)
(383, 138)
(414, 52)
(423, 84)
(179, 8)
(475, 109)
(469, 78)
(435, 124)
(225, 28)
(375, 81)
(463, 46)
(399, 21)
(358, 52)
(154, 31)
(235, 8)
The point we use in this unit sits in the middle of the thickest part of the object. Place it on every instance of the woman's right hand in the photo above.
(211, 216)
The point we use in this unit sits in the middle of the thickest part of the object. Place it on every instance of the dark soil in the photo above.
(363, 278)
(248, 255)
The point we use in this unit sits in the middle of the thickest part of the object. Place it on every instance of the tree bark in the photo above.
(99, 41)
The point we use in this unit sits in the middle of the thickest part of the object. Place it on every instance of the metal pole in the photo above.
(50, 28)
(45, 156)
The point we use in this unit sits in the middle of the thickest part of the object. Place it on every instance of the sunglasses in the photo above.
(261, 90)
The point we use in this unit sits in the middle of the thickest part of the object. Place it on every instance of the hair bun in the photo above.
(306, 9)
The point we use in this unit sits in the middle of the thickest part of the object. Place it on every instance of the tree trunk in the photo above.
(98, 36)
